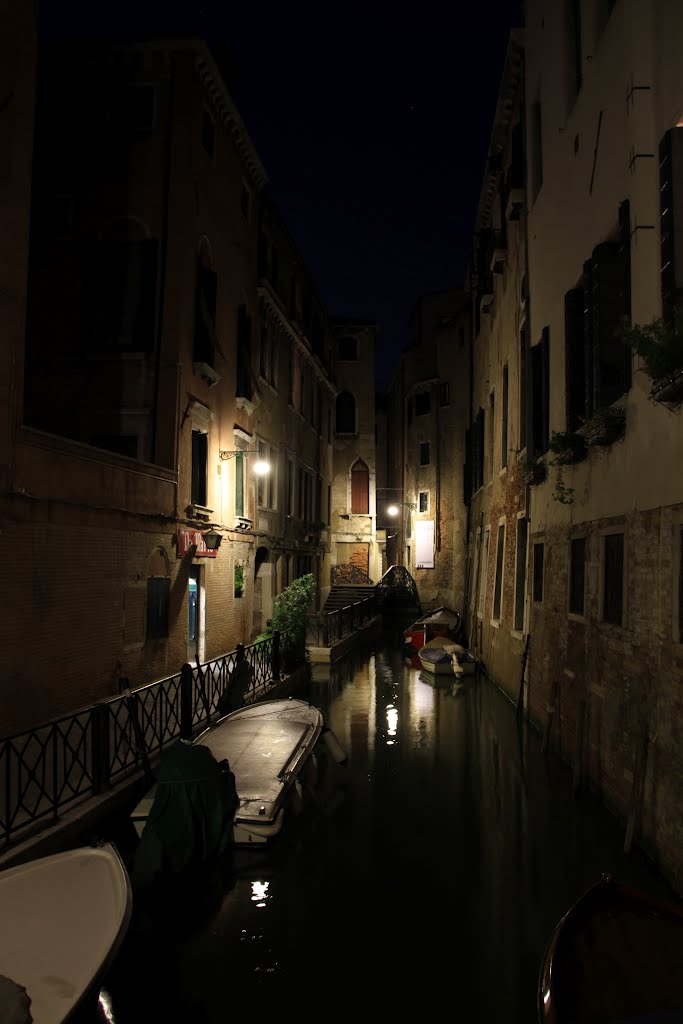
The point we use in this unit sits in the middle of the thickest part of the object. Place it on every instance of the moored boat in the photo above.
(62, 920)
(268, 749)
(614, 956)
(438, 622)
(436, 656)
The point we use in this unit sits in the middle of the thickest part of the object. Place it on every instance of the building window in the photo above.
(239, 484)
(613, 578)
(540, 394)
(199, 458)
(520, 573)
(498, 587)
(346, 413)
(360, 489)
(539, 552)
(577, 576)
(483, 573)
(422, 403)
(444, 393)
(243, 374)
(424, 453)
(504, 422)
(423, 501)
(205, 315)
(119, 299)
(158, 593)
(522, 389)
(265, 485)
(347, 348)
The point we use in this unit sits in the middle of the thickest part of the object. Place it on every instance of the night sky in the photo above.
(373, 134)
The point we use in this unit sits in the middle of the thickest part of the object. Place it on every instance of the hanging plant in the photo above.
(660, 345)
(606, 425)
(533, 470)
(567, 447)
(561, 492)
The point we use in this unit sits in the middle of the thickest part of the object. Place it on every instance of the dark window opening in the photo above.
(119, 301)
(520, 573)
(347, 348)
(539, 551)
(346, 413)
(422, 403)
(577, 576)
(498, 587)
(205, 316)
(613, 579)
(540, 400)
(444, 393)
(158, 593)
(199, 458)
(424, 453)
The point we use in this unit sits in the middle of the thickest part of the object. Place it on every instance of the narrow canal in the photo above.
(426, 878)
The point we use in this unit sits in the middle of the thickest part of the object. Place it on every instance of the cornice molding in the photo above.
(274, 306)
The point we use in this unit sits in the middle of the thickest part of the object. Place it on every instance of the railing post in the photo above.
(186, 685)
(275, 656)
(100, 748)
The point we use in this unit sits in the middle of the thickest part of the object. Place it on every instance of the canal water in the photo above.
(424, 877)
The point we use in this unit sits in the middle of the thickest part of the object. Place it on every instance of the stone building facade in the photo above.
(604, 105)
(164, 354)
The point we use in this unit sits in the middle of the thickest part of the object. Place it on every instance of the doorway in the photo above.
(195, 616)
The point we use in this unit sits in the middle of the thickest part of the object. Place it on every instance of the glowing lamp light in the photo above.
(261, 468)
(392, 510)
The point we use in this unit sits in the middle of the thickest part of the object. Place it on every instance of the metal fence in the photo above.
(53, 766)
(327, 629)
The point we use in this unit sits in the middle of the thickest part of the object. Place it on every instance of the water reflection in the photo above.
(432, 867)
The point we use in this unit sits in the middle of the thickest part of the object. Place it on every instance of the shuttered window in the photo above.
(199, 454)
(613, 579)
(360, 490)
(577, 576)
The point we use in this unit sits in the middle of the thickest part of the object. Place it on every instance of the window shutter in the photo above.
(467, 469)
(360, 489)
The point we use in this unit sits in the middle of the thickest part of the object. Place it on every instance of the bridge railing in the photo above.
(51, 767)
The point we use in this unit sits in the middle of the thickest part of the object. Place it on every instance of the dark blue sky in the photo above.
(373, 132)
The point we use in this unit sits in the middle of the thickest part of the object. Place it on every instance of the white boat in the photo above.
(269, 747)
(62, 919)
(441, 656)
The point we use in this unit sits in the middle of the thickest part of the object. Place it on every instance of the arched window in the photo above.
(360, 488)
(346, 413)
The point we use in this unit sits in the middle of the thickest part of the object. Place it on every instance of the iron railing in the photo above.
(330, 627)
(51, 767)
(397, 586)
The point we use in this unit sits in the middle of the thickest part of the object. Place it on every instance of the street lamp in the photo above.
(393, 509)
(260, 467)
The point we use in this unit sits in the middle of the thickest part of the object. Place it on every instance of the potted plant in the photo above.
(660, 345)
(606, 425)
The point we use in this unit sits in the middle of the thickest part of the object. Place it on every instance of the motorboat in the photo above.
(267, 749)
(439, 622)
(614, 956)
(63, 919)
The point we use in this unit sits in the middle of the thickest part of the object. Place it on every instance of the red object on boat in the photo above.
(438, 622)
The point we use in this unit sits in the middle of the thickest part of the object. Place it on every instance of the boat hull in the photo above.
(614, 956)
(63, 919)
(267, 745)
